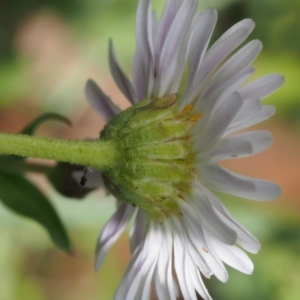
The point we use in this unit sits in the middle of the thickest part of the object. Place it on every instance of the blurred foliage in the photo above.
(14, 12)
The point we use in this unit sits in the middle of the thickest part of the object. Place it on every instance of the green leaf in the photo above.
(24, 198)
(30, 129)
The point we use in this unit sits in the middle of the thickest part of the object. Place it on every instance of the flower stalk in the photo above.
(95, 153)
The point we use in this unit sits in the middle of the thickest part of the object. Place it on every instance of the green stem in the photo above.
(95, 153)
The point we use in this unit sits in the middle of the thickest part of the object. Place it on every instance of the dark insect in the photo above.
(85, 176)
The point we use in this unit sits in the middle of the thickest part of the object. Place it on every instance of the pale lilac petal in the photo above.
(219, 123)
(201, 36)
(165, 23)
(199, 43)
(250, 109)
(246, 23)
(169, 67)
(241, 145)
(218, 91)
(266, 112)
(210, 219)
(244, 57)
(220, 179)
(245, 238)
(198, 238)
(138, 230)
(120, 78)
(112, 231)
(142, 61)
(100, 102)
(139, 78)
(217, 55)
(262, 87)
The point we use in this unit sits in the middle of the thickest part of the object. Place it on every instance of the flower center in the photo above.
(155, 163)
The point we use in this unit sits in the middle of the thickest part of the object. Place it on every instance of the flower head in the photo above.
(170, 144)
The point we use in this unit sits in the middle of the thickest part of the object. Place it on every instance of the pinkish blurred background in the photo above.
(48, 49)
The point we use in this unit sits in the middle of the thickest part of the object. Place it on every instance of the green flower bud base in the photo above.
(155, 161)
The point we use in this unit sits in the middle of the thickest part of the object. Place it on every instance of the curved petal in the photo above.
(112, 231)
(245, 238)
(262, 87)
(120, 78)
(172, 58)
(198, 237)
(199, 42)
(234, 257)
(210, 219)
(217, 55)
(100, 102)
(265, 113)
(241, 145)
(242, 58)
(218, 124)
(142, 61)
(138, 230)
(225, 181)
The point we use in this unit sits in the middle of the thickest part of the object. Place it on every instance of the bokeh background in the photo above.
(48, 49)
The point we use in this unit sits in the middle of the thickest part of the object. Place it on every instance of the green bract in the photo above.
(155, 161)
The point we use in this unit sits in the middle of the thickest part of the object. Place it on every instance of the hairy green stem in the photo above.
(95, 153)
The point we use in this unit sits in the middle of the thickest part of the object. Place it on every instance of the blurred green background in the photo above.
(48, 49)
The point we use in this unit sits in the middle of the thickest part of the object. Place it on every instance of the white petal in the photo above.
(216, 56)
(200, 39)
(169, 68)
(266, 112)
(219, 123)
(120, 78)
(218, 91)
(225, 181)
(168, 15)
(142, 60)
(198, 238)
(246, 23)
(234, 257)
(112, 231)
(100, 102)
(238, 61)
(245, 238)
(202, 205)
(241, 145)
(138, 230)
(180, 261)
(249, 110)
(199, 285)
(262, 87)
(163, 266)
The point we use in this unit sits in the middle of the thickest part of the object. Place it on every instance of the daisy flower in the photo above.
(170, 145)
